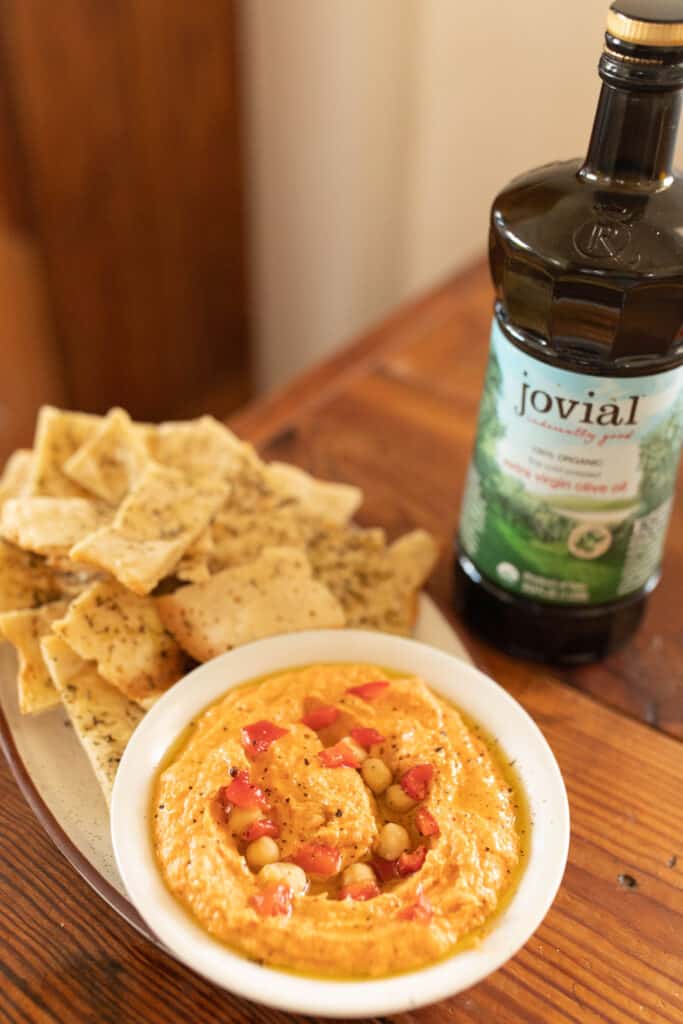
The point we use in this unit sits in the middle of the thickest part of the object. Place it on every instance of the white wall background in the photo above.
(379, 132)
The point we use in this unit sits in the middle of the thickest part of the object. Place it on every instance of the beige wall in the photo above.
(379, 131)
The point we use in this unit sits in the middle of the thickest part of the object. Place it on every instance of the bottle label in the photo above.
(570, 487)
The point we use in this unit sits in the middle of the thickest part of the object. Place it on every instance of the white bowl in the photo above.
(487, 703)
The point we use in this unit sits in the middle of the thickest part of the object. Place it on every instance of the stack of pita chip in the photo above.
(128, 552)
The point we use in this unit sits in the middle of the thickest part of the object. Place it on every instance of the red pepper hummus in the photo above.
(336, 821)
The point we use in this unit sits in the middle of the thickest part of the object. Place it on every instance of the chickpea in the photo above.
(393, 841)
(398, 800)
(242, 817)
(358, 873)
(290, 874)
(376, 774)
(261, 852)
(355, 748)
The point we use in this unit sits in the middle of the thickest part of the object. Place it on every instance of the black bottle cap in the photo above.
(644, 44)
(650, 24)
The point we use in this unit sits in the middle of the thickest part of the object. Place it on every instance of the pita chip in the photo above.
(50, 526)
(102, 717)
(377, 585)
(24, 630)
(331, 502)
(112, 458)
(153, 527)
(273, 594)
(16, 474)
(25, 580)
(58, 435)
(124, 636)
(201, 448)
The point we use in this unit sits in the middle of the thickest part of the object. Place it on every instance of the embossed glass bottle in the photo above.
(571, 483)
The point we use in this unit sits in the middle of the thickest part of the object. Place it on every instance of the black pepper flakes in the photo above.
(672, 861)
(627, 881)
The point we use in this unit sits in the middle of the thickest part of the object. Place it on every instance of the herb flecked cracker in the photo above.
(58, 435)
(273, 594)
(332, 502)
(112, 458)
(25, 580)
(264, 510)
(154, 525)
(376, 584)
(102, 717)
(16, 474)
(201, 448)
(24, 630)
(125, 637)
(51, 526)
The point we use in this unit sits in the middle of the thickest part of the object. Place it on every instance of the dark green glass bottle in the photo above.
(571, 483)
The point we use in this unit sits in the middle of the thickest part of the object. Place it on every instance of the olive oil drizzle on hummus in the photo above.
(468, 800)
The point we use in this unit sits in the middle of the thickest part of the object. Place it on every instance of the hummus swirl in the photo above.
(468, 865)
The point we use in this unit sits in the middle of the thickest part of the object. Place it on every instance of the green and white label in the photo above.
(570, 488)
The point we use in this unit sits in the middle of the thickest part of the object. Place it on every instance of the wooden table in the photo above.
(395, 413)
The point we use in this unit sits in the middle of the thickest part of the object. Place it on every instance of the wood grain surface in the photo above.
(127, 124)
(395, 414)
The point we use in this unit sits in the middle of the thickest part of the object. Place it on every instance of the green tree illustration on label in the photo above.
(569, 492)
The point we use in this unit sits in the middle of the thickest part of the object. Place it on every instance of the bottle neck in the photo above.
(634, 136)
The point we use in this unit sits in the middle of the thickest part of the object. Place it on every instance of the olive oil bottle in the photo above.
(571, 483)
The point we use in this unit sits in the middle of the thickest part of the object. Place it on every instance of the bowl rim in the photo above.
(472, 691)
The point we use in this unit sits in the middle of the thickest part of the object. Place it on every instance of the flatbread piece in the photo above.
(112, 458)
(102, 717)
(58, 435)
(24, 630)
(51, 526)
(123, 634)
(273, 594)
(154, 525)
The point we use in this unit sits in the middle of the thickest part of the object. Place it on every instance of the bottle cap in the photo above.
(649, 23)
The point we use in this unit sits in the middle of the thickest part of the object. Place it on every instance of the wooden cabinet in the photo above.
(121, 216)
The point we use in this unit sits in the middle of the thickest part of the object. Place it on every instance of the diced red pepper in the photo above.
(366, 737)
(416, 781)
(224, 800)
(262, 827)
(319, 718)
(369, 691)
(421, 910)
(409, 863)
(426, 823)
(338, 756)
(257, 737)
(243, 793)
(386, 870)
(359, 891)
(318, 859)
(273, 900)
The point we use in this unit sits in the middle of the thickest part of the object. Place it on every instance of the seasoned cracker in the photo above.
(16, 474)
(153, 527)
(331, 502)
(24, 630)
(201, 448)
(125, 637)
(111, 460)
(273, 594)
(25, 579)
(58, 435)
(51, 526)
(102, 717)
(377, 585)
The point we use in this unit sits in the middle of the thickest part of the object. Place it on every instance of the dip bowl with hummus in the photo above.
(340, 823)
